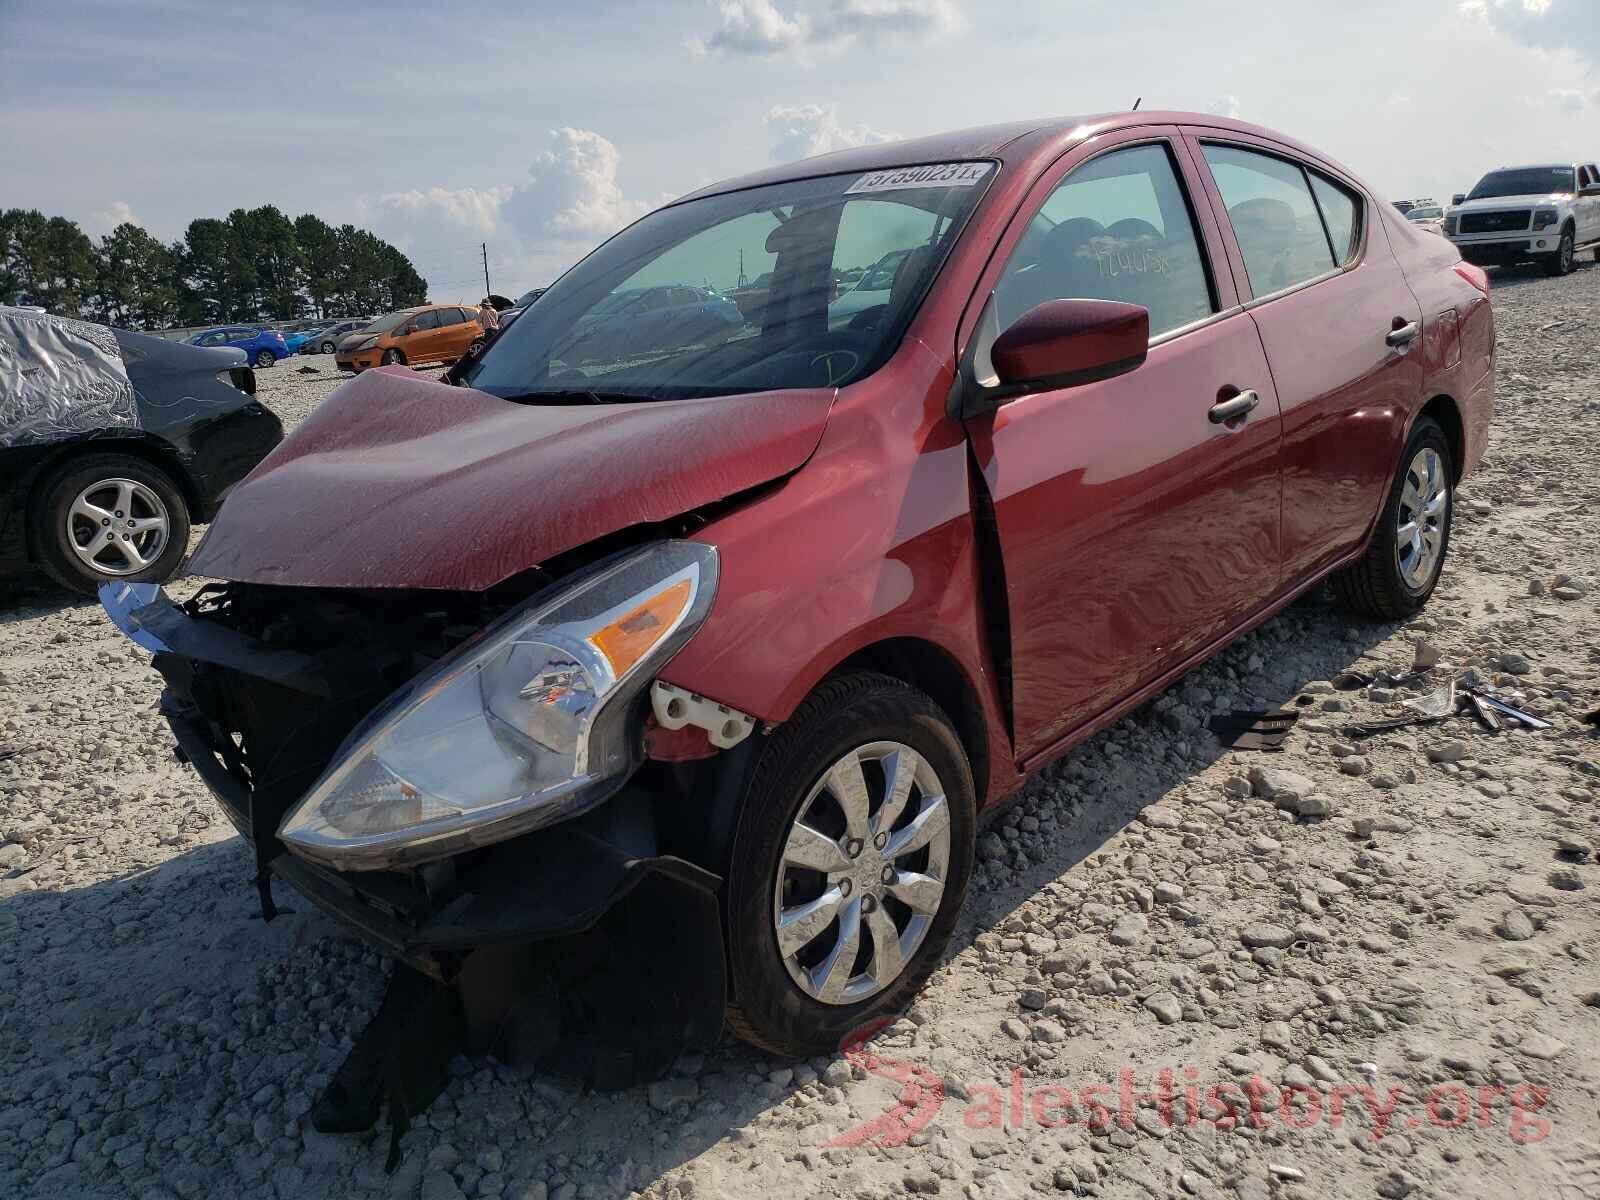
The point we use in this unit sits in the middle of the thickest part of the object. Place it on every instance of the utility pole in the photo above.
(484, 246)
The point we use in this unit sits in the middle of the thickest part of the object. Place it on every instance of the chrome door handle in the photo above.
(1399, 337)
(1230, 410)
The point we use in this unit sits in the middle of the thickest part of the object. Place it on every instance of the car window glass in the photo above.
(449, 316)
(1117, 228)
(1274, 218)
(1339, 208)
(879, 241)
(428, 320)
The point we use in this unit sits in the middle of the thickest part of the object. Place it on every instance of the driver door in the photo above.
(1137, 527)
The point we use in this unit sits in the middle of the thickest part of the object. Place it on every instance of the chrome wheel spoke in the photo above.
(807, 847)
(929, 823)
(833, 973)
(90, 512)
(920, 893)
(849, 788)
(886, 962)
(900, 770)
(799, 926)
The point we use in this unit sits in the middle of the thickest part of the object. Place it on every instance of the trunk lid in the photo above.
(401, 482)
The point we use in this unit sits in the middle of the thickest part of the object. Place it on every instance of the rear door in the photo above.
(1341, 328)
(1135, 527)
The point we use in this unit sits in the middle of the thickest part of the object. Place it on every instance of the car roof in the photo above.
(1018, 143)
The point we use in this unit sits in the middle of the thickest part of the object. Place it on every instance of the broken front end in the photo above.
(461, 777)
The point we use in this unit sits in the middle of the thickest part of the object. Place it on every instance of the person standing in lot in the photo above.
(488, 316)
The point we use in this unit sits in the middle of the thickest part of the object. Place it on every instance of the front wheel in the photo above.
(850, 863)
(328, 347)
(1402, 565)
(392, 358)
(265, 358)
(1560, 263)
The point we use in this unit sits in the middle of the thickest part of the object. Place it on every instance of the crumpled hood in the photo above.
(401, 482)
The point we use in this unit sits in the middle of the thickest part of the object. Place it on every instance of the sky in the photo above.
(541, 128)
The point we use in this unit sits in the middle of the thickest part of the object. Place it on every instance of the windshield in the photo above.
(392, 321)
(1424, 214)
(668, 309)
(1525, 181)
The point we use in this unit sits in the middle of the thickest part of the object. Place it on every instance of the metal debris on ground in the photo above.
(1366, 729)
(1509, 710)
(1491, 718)
(308, 371)
(1263, 729)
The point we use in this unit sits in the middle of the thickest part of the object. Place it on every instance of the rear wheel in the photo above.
(265, 358)
(328, 347)
(850, 864)
(393, 358)
(110, 517)
(1402, 565)
(1560, 263)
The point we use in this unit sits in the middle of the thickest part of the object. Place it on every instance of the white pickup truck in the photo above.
(1547, 213)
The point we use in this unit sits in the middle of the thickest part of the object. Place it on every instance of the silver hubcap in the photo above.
(118, 526)
(863, 872)
(1424, 504)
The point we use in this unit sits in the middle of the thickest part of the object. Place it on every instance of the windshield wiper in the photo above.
(578, 395)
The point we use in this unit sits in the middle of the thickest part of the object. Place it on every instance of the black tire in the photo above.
(476, 348)
(393, 358)
(328, 348)
(265, 358)
(766, 1007)
(50, 530)
(1374, 586)
(1560, 263)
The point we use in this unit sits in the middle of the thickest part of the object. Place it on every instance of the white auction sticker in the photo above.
(959, 174)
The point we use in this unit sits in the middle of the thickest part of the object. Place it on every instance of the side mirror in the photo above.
(1459, 198)
(1065, 343)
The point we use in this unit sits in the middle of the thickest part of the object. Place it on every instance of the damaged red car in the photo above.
(620, 693)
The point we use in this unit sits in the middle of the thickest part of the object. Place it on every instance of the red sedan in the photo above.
(765, 621)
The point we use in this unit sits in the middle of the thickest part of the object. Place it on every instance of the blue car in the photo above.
(294, 341)
(263, 347)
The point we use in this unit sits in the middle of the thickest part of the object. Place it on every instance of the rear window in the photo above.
(1274, 217)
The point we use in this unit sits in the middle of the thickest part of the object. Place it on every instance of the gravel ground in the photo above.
(1414, 915)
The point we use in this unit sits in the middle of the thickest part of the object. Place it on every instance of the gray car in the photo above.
(326, 340)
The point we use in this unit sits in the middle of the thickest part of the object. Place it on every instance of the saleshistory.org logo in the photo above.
(1178, 1100)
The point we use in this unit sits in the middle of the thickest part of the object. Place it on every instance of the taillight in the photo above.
(1476, 276)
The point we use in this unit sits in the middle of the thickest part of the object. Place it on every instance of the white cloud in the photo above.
(1544, 24)
(1568, 100)
(572, 190)
(807, 129)
(475, 209)
(1224, 106)
(754, 28)
(759, 29)
(103, 222)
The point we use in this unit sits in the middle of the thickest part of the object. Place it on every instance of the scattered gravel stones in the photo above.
(1151, 901)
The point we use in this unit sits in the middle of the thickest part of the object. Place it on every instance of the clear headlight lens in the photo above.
(528, 724)
(1543, 218)
(364, 344)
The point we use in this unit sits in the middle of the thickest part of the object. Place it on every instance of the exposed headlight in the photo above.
(1450, 224)
(530, 723)
(1543, 218)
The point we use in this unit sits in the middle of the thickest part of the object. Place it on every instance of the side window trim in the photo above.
(1360, 241)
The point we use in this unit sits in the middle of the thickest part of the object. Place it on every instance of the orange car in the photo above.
(431, 333)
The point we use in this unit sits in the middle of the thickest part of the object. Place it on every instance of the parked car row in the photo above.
(482, 672)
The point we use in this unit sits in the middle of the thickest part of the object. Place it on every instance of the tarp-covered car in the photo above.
(112, 443)
(632, 682)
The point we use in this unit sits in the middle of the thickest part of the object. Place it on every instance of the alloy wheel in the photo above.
(1420, 520)
(118, 526)
(862, 873)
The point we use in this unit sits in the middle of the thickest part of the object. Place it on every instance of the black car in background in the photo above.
(113, 443)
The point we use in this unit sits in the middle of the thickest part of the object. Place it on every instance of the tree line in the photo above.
(254, 265)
